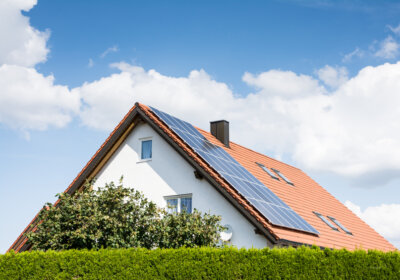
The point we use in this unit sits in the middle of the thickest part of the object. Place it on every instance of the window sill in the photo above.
(144, 160)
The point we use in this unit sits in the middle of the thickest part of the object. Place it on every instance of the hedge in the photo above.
(201, 263)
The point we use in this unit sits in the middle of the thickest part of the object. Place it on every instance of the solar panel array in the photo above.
(262, 198)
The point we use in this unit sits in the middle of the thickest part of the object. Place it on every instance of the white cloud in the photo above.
(109, 98)
(384, 219)
(388, 48)
(333, 76)
(359, 133)
(283, 83)
(28, 100)
(349, 128)
(356, 53)
(90, 63)
(395, 30)
(287, 113)
(21, 44)
(109, 50)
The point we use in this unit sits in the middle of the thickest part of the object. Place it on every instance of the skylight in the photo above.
(326, 221)
(340, 225)
(268, 171)
(283, 176)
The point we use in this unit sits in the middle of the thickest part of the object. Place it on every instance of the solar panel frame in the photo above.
(256, 193)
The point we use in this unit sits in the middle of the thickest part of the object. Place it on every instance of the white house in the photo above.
(265, 202)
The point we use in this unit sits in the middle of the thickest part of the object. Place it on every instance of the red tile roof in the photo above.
(304, 197)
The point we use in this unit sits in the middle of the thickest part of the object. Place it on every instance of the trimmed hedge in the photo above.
(201, 263)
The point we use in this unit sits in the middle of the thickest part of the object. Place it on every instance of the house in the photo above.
(264, 201)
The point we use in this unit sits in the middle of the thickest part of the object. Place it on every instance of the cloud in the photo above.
(108, 99)
(90, 63)
(388, 48)
(283, 83)
(333, 76)
(109, 50)
(28, 99)
(21, 44)
(384, 219)
(356, 53)
(395, 30)
(288, 113)
(323, 123)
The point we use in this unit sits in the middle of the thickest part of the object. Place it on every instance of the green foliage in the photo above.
(118, 217)
(189, 230)
(201, 263)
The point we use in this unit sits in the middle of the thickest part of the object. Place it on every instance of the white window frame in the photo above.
(178, 197)
(141, 140)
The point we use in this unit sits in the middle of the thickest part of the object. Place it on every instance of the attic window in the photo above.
(146, 149)
(340, 225)
(268, 171)
(283, 176)
(326, 221)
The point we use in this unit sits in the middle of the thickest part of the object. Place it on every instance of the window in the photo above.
(268, 171)
(179, 203)
(172, 205)
(283, 176)
(340, 225)
(326, 221)
(147, 149)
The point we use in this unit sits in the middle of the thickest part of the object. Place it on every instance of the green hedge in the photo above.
(201, 263)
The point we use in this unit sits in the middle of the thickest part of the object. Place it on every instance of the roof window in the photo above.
(325, 220)
(340, 225)
(268, 171)
(283, 176)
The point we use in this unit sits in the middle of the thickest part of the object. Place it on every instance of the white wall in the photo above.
(169, 174)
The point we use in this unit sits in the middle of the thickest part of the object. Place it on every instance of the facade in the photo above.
(150, 152)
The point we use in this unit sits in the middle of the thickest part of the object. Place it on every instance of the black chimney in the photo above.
(220, 129)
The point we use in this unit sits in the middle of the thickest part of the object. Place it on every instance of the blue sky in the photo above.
(317, 81)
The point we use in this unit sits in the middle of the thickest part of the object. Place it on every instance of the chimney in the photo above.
(220, 129)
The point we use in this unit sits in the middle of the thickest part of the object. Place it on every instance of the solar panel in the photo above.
(263, 199)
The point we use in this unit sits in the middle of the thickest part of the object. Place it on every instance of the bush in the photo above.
(201, 263)
(118, 217)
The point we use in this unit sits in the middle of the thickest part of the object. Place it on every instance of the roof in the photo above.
(305, 197)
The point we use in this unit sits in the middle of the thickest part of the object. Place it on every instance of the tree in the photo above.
(118, 217)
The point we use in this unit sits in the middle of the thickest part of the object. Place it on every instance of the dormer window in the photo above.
(179, 203)
(146, 149)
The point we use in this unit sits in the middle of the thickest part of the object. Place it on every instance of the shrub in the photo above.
(201, 263)
(118, 217)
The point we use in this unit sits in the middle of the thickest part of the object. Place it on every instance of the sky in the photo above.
(315, 84)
